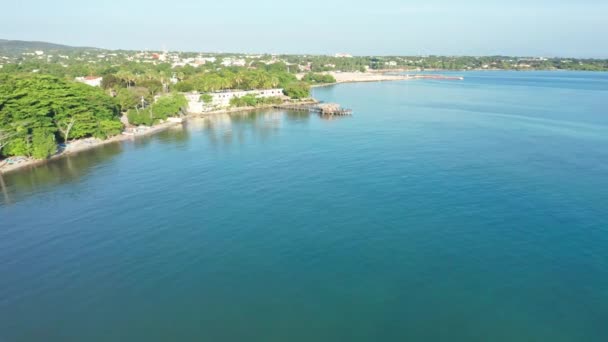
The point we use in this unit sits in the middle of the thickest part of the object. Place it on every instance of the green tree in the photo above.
(50, 106)
(163, 108)
(131, 98)
(206, 98)
(297, 90)
(318, 78)
(43, 143)
(168, 105)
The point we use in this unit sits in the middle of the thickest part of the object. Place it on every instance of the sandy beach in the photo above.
(347, 77)
(353, 77)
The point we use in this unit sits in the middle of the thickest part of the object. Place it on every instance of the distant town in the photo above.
(27, 58)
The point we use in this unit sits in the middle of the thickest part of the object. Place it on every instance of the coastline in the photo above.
(243, 109)
(378, 76)
(341, 77)
(359, 77)
(81, 145)
(91, 143)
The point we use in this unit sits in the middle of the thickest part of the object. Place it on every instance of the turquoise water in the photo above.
(440, 211)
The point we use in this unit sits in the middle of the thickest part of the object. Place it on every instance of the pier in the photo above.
(319, 108)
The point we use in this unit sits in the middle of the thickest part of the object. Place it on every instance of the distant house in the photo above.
(233, 62)
(222, 99)
(343, 55)
(306, 67)
(94, 81)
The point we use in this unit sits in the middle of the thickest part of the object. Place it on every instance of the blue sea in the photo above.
(472, 210)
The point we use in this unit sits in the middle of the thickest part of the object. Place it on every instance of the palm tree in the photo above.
(239, 79)
(274, 81)
(262, 81)
(126, 76)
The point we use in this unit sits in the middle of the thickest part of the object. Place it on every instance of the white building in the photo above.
(208, 59)
(233, 62)
(222, 99)
(94, 81)
(343, 55)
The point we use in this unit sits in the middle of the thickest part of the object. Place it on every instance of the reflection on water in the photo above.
(240, 127)
(219, 130)
(3, 188)
(174, 134)
(54, 172)
(226, 129)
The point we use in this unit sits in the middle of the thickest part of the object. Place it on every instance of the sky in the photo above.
(546, 28)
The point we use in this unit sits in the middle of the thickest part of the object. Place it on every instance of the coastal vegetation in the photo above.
(315, 78)
(38, 111)
(318, 64)
(161, 109)
(297, 90)
(42, 106)
(232, 78)
(253, 101)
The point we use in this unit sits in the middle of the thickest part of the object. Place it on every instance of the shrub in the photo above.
(140, 117)
(184, 86)
(251, 100)
(297, 90)
(270, 100)
(109, 128)
(318, 78)
(206, 98)
(168, 106)
(43, 143)
(163, 108)
(18, 146)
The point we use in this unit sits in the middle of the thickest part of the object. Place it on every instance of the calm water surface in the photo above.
(441, 211)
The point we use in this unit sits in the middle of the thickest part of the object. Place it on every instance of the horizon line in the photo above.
(303, 54)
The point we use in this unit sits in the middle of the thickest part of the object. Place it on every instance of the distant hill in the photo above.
(15, 47)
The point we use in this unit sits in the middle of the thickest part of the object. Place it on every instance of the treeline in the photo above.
(252, 101)
(318, 78)
(234, 78)
(134, 79)
(39, 111)
(161, 109)
(329, 63)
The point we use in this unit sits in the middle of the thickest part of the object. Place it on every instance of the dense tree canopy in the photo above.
(252, 101)
(297, 90)
(163, 108)
(41, 105)
(318, 78)
(37, 108)
(243, 79)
